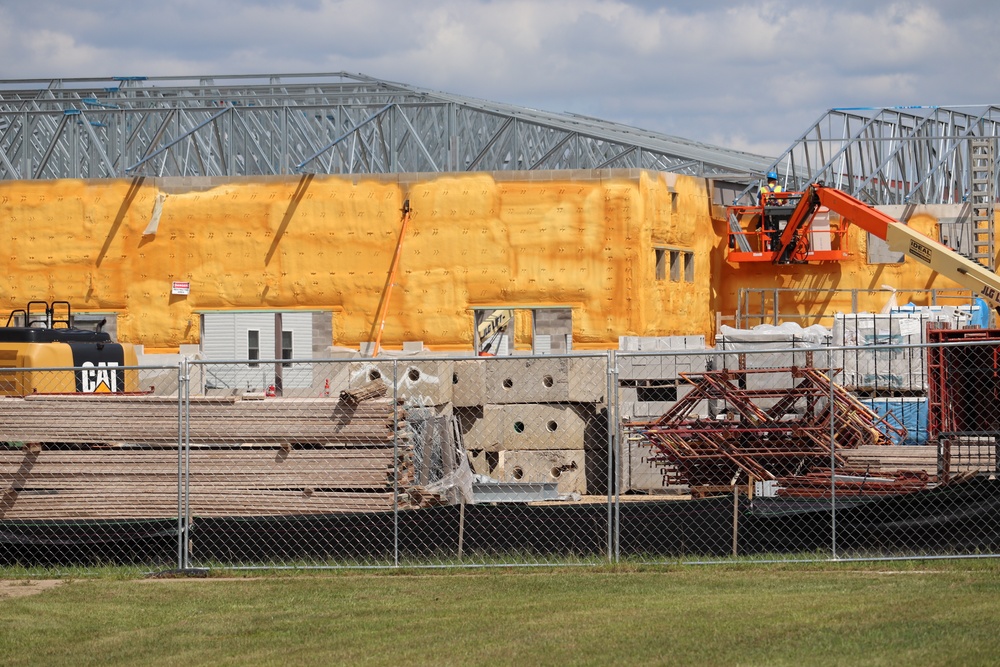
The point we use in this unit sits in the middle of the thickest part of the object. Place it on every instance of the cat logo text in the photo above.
(99, 378)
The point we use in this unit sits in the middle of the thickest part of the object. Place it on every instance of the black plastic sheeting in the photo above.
(954, 520)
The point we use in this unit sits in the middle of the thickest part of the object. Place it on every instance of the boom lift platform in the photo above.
(756, 233)
(790, 241)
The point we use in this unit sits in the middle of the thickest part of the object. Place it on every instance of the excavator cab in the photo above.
(766, 232)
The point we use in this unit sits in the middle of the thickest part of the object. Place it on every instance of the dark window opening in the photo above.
(253, 347)
(650, 394)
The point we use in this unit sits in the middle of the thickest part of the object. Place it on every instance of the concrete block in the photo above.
(531, 380)
(521, 427)
(484, 463)
(694, 342)
(633, 402)
(566, 467)
(643, 474)
(482, 428)
(421, 382)
(640, 367)
(671, 366)
(469, 383)
(588, 379)
(765, 381)
(628, 343)
(533, 426)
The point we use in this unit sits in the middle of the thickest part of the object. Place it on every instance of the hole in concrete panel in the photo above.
(454, 378)
(518, 427)
(374, 374)
(508, 383)
(555, 472)
(414, 375)
(517, 473)
(548, 381)
(552, 426)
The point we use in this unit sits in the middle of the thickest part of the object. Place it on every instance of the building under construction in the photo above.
(342, 218)
(157, 201)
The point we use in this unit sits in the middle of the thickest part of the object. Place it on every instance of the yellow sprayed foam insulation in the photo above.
(586, 240)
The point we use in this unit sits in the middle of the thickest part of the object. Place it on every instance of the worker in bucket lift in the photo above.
(767, 197)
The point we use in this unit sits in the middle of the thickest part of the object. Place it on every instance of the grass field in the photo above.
(938, 613)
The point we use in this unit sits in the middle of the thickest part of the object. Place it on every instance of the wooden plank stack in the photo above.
(78, 457)
(892, 458)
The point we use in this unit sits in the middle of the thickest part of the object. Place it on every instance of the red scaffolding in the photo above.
(792, 431)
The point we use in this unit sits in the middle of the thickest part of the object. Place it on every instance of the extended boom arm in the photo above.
(900, 238)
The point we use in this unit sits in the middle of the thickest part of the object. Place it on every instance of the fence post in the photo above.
(181, 513)
(614, 457)
(184, 395)
(395, 464)
(833, 468)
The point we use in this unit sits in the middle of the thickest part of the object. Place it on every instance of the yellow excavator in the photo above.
(41, 352)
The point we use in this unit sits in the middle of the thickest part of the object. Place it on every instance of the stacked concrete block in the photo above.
(665, 359)
(522, 427)
(639, 471)
(767, 351)
(527, 380)
(650, 384)
(553, 331)
(588, 379)
(635, 401)
(423, 382)
(566, 467)
(469, 383)
(660, 343)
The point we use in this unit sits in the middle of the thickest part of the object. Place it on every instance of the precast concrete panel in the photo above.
(523, 427)
(564, 466)
(530, 380)
(469, 383)
(423, 382)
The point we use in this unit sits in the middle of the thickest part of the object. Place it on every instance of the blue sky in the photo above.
(746, 75)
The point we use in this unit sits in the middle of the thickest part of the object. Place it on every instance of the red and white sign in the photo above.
(180, 287)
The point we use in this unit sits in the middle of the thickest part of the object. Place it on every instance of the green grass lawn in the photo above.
(939, 613)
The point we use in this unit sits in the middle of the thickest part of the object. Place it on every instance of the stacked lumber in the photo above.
(277, 457)
(112, 419)
(891, 458)
(143, 483)
(816, 484)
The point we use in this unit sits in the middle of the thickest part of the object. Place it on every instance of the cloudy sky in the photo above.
(747, 75)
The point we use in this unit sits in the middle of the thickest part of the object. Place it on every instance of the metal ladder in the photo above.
(982, 196)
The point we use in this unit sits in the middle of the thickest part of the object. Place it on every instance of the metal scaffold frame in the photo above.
(336, 123)
(894, 155)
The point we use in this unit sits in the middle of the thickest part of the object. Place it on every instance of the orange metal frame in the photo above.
(767, 245)
(384, 306)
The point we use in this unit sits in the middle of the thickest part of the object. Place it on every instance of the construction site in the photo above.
(335, 320)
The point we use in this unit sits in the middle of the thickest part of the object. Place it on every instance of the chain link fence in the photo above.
(662, 452)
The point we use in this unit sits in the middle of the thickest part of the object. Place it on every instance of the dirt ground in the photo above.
(15, 588)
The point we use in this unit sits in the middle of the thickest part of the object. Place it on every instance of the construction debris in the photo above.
(374, 389)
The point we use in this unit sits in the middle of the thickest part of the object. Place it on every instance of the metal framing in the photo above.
(892, 155)
(336, 123)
